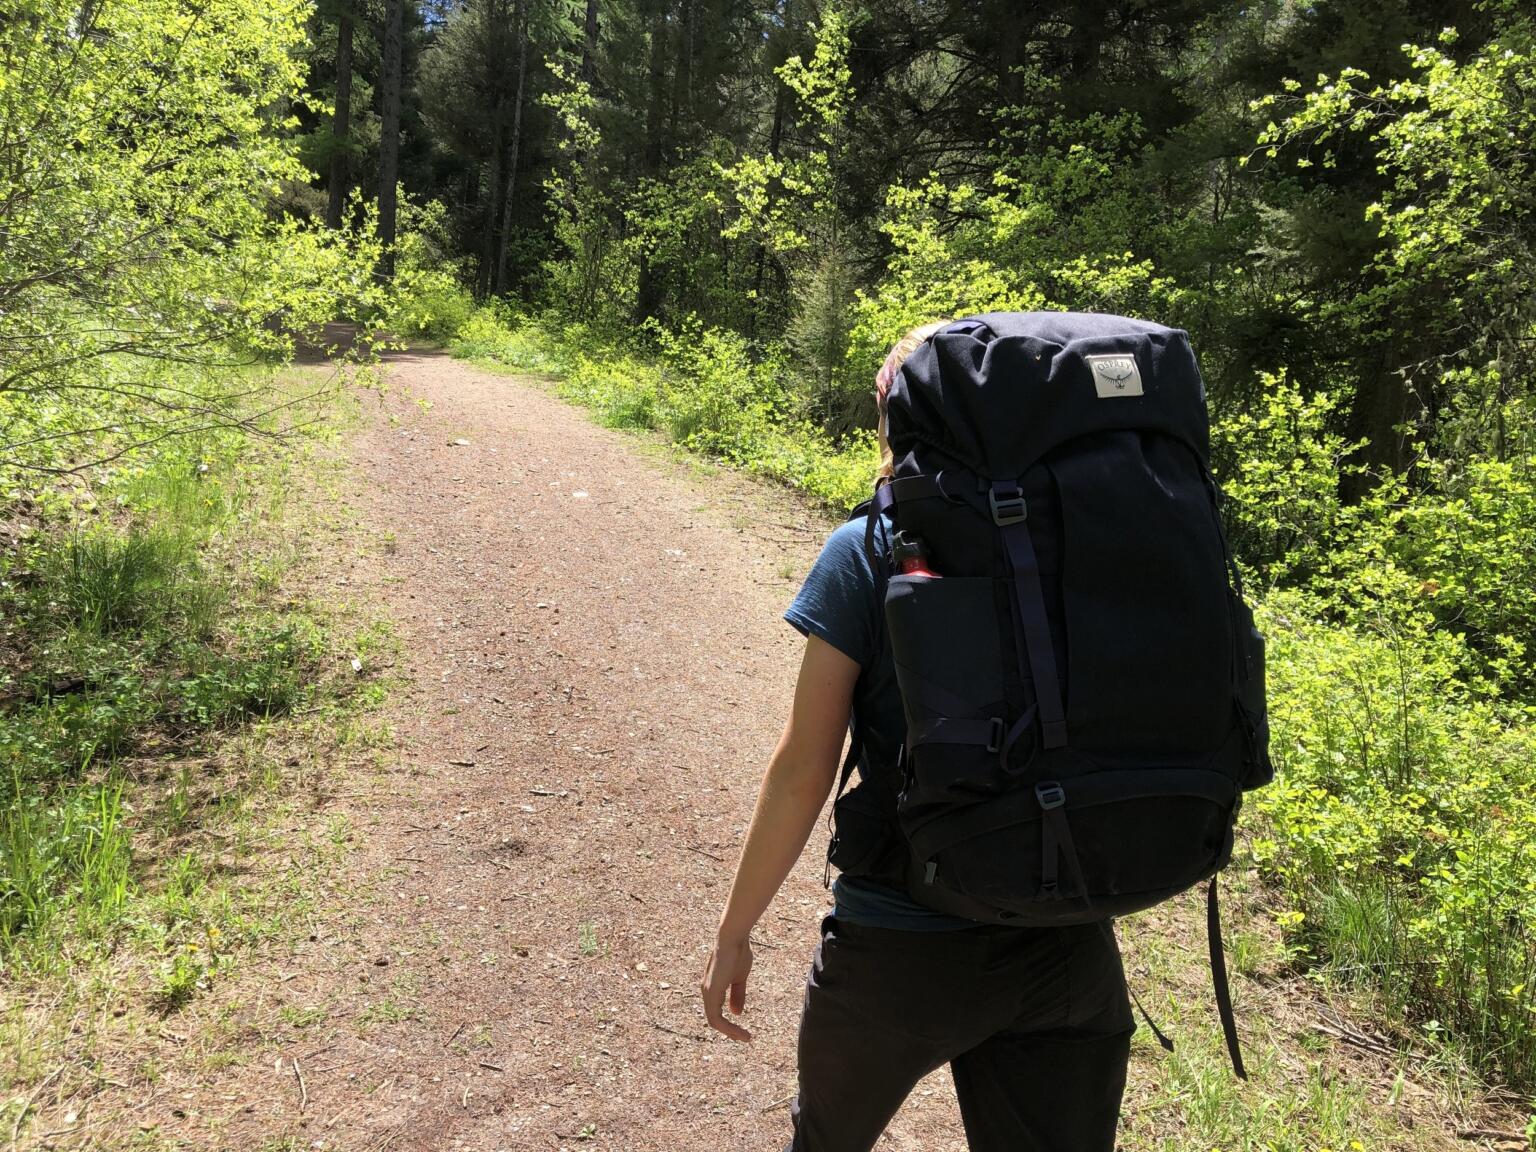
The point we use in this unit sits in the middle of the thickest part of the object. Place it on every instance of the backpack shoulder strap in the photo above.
(871, 510)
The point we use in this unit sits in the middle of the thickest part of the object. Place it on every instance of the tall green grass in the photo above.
(134, 632)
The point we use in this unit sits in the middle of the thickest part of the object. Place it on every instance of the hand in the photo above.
(726, 975)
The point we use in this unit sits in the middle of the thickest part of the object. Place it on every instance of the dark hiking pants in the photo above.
(1034, 1023)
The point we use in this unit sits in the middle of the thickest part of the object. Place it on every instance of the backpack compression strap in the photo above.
(1010, 515)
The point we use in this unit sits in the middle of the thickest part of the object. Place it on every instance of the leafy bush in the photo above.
(621, 390)
(427, 297)
(717, 399)
(1402, 824)
(494, 333)
(1471, 547)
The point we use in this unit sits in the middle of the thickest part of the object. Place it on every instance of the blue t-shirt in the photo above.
(842, 602)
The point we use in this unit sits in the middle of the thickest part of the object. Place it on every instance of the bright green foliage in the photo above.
(717, 401)
(1457, 218)
(428, 299)
(61, 852)
(1051, 230)
(140, 151)
(1279, 465)
(1474, 547)
(495, 334)
(1402, 826)
(595, 280)
(788, 204)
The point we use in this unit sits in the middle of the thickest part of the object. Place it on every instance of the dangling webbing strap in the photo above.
(1008, 513)
(1109, 931)
(1156, 1031)
(1219, 979)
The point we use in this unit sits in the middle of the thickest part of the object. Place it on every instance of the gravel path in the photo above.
(597, 671)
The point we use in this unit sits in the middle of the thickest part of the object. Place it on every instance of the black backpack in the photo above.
(1082, 680)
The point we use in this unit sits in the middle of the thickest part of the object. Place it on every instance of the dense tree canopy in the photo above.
(797, 171)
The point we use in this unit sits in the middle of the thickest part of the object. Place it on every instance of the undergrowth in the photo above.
(707, 390)
(144, 630)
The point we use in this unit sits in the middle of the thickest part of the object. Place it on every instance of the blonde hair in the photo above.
(894, 359)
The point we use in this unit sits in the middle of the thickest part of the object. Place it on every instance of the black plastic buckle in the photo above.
(1051, 795)
(999, 734)
(1007, 510)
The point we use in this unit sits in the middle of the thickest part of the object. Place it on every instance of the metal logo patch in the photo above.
(1115, 375)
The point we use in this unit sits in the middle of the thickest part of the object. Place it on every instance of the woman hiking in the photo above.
(1035, 1023)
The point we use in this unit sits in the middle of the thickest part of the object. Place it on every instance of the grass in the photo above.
(171, 705)
(1306, 1092)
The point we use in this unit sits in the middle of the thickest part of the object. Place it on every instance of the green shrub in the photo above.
(1402, 825)
(432, 305)
(493, 333)
(1470, 545)
(621, 390)
(717, 399)
(427, 297)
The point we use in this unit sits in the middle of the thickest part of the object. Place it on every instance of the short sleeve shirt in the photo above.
(842, 603)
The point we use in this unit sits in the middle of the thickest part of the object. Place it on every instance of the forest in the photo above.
(709, 219)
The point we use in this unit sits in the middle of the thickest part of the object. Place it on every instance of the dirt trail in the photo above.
(597, 671)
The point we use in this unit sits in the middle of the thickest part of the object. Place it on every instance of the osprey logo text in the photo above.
(1115, 375)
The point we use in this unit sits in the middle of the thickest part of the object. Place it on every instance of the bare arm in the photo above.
(799, 776)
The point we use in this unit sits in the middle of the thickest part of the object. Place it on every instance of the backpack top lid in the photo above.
(997, 392)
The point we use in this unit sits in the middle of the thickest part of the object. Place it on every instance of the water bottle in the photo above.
(911, 556)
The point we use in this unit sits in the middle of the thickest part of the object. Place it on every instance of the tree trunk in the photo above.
(655, 127)
(589, 45)
(681, 117)
(483, 281)
(647, 295)
(499, 284)
(1381, 406)
(775, 142)
(341, 122)
(389, 135)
